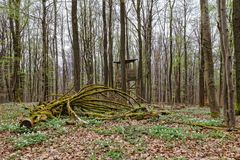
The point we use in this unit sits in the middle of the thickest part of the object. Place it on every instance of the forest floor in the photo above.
(167, 137)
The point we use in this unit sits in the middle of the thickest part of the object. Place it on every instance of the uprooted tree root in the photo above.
(93, 101)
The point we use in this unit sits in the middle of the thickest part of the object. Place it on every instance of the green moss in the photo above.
(237, 109)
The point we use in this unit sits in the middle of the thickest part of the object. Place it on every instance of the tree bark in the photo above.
(105, 42)
(171, 4)
(14, 19)
(76, 50)
(229, 108)
(110, 44)
(122, 46)
(140, 70)
(45, 86)
(206, 46)
(236, 37)
(55, 47)
(185, 54)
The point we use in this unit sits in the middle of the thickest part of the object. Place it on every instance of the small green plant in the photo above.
(167, 133)
(94, 122)
(115, 154)
(207, 122)
(103, 131)
(28, 139)
(217, 134)
(55, 123)
(198, 136)
(12, 127)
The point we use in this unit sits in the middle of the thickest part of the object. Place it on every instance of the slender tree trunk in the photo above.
(45, 52)
(140, 69)
(230, 114)
(206, 46)
(122, 46)
(64, 61)
(201, 74)
(171, 4)
(76, 50)
(110, 44)
(55, 46)
(185, 54)
(105, 42)
(149, 53)
(14, 19)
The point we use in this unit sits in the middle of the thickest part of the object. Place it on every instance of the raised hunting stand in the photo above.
(131, 73)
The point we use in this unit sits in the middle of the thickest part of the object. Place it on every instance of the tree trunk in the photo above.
(206, 46)
(185, 54)
(230, 114)
(122, 46)
(75, 43)
(148, 44)
(64, 61)
(55, 47)
(105, 42)
(14, 19)
(140, 69)
(45, 53)
(110, 44)
(171, 4)
(236, 35)
(201, 74)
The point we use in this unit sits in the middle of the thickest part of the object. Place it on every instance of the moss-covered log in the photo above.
(93, 101)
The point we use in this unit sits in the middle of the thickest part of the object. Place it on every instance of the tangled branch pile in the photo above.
(93, 101)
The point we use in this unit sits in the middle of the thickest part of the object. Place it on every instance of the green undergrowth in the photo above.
(195, 111)
(28, 139)
(175, 117)
(134, 134)
(114, 154)
(167, 133)
(109, 149)
(24, 137)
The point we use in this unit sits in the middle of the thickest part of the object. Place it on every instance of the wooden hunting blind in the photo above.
(131, 72)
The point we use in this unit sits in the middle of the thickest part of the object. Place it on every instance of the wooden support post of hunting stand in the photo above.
(131, 74)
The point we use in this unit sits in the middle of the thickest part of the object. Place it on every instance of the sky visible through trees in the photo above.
(47, 47)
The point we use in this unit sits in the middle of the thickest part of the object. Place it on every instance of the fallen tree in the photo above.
(93, 101)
